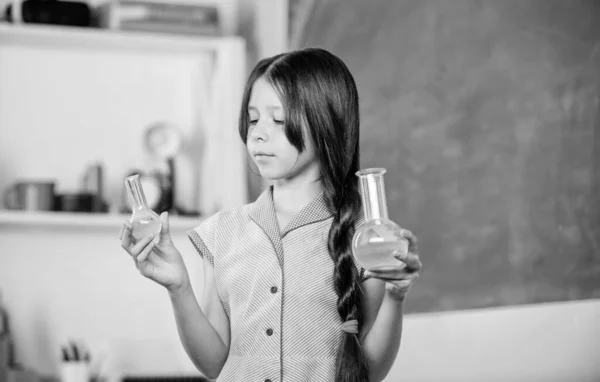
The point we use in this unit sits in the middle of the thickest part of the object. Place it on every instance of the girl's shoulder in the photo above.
(225, 218)
(210, 234)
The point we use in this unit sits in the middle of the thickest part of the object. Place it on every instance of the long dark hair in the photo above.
(317, 90)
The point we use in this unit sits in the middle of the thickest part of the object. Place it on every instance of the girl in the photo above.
(283, 297)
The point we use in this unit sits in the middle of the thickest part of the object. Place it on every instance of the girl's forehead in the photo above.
(263, 94)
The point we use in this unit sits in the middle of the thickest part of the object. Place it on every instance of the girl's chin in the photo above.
(266, 171)
(271, 174)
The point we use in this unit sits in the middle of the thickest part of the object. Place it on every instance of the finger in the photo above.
(137, 249)
(398, 289)
(412, 261)
(145, 252)
(413, 243)
(395, 280)
(389, 272)
(164, 230)
(127, 239)
(121, 232)
(402, 284)
(391, 276)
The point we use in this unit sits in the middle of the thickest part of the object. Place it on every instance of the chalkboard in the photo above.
(485, 114)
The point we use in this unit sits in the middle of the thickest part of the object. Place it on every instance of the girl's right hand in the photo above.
(159, 261)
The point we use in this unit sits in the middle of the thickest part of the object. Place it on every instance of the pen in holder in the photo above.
(75, 363)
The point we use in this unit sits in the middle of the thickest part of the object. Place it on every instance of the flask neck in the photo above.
(372, 191)
(136, 193)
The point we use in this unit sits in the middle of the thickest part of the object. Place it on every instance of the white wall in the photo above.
(553, 342)
(59, 283)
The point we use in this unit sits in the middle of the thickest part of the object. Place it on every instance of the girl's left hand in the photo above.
(399, 280)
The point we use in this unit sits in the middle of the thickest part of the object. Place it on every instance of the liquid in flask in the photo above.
(376, 241)
(143, 220)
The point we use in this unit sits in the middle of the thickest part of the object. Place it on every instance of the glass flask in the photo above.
(376, 240)
(143, 220)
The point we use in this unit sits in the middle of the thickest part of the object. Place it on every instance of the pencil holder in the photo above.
(74, 371)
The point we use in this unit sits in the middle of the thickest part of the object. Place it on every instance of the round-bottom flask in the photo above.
(377, 240)
(143, 220)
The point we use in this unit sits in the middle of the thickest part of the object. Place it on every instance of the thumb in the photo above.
(164, 220)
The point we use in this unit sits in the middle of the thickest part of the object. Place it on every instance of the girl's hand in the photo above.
(400, 279)
(157, 260)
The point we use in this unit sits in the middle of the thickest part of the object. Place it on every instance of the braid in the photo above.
(351, 364)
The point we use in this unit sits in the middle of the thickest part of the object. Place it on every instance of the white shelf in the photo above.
(84, 221)
(52, 36)
(215, 91)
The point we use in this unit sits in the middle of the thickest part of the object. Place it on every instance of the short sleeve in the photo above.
(203, 237)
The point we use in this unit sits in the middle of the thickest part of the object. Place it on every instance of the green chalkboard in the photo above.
(486, 115)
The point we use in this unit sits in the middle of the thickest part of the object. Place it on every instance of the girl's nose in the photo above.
(258, 132)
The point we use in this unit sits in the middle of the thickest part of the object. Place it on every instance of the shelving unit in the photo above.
(222, 182)
(39, 35)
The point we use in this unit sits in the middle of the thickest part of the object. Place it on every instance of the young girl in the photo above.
(283, 298)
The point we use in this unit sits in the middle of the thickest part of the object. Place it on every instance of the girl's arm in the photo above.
(204, 331)
(382, 328)
(384, 294)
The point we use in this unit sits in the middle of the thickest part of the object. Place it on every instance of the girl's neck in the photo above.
(290, 196)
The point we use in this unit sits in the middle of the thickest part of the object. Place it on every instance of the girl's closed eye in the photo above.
(253, 116)
(278, 117)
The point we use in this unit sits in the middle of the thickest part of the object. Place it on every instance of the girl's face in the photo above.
(275, 157)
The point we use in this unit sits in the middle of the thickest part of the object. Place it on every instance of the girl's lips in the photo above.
(263, 158)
